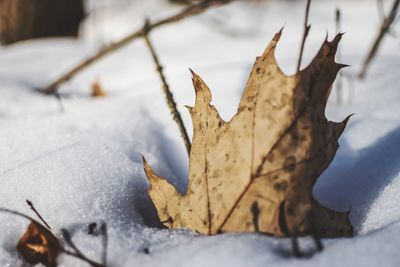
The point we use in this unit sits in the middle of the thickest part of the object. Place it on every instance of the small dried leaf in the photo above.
(97, 89)
(268, 156)
(39, 245)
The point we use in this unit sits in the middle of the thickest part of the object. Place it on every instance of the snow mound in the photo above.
(84, 165)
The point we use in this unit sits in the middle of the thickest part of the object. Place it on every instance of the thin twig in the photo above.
(385, 28)
(17, 213)
(255, 211)
(59, 101)
(77, 253)
(104, 233)
(339, 89)
(67, 238)
(30, 204)
(305, 34)
(169, 96)
(189, 11)
(295, 245)
(82, 258)
(314, 233)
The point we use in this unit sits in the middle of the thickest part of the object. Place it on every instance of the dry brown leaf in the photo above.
(39, 245)
(97, 89)
(265, 159)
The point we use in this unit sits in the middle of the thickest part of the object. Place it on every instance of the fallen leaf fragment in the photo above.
(270, 154)
(39, 245)
(97, 89)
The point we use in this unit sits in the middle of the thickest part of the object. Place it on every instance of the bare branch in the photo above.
(305, 34)
(255, 211)
(168, 95)
(385, 28)
(30, 204)
(13, 212)
(339, 89)
(66, 236)
(295, 246)
(189, 11)
(59, 101)
(82, 258)
(77, 253)
(104, 233)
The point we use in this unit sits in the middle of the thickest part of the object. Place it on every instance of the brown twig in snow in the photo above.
(82, 258)
(314, 233)
(30, 204)
(295, 246)
(169, 96)
(255, 211)
(104, 233)
(305, 34)
(384, 28)
(16, 213)
(59, 101)
(189, 11)
(77, 253)
(66, 236)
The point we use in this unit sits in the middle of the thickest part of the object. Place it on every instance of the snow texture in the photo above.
(84, 165)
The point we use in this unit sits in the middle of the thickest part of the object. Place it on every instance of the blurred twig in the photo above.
(305, 34)
(59, 101)
(169, 96)
(189, 11)
(339, 90)
(384, 28)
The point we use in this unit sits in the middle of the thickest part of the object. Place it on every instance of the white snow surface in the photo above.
(84, 165)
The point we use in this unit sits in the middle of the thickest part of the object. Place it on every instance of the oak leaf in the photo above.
(39, 245)
(256, 172)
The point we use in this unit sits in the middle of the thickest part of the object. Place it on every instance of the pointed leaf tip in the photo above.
(340, 126)
(335, 42)
(342, 66)
(346, 120)
(326, 36)
(189, 108)
(192, 72)
(148, 170)
(203, 94)
(270, 49)
(278, 34)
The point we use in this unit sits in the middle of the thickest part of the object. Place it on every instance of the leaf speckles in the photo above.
(256, 172)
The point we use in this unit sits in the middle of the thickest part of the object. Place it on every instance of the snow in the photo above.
(84, 164)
